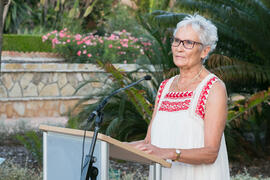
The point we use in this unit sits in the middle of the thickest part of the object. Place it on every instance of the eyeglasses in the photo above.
(188, 44)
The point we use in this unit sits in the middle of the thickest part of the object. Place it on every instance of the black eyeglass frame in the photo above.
(183, 42)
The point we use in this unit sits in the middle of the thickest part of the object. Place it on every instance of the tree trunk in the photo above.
(2, 6)
(1, 31)
(6, 9)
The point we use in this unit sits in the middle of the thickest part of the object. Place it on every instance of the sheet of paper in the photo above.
(1, 160)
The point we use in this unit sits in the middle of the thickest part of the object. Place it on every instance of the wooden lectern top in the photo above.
(117, 149)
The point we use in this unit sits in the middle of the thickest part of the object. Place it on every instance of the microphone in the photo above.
(147, 77)
(104, 102)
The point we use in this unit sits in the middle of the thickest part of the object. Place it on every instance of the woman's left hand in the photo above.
(154, 150)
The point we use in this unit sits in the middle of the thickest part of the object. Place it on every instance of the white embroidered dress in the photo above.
(179, 123)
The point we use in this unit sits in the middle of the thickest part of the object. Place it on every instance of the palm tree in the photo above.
(244, 23)
(230, 65)
(241, 58)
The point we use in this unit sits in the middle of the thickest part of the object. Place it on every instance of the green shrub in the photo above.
(11, 171)
(246, 176)
(119, 47)
(25, 43)
(33, 143)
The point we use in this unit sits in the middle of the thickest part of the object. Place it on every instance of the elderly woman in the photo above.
(191, 109)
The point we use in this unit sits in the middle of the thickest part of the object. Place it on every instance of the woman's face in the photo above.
(183, 57)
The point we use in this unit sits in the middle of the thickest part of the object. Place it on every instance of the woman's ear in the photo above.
(205, 51)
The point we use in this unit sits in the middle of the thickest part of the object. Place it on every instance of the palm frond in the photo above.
(247, 19)
(236, 72)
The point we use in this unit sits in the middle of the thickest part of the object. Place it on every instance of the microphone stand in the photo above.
(89, 171)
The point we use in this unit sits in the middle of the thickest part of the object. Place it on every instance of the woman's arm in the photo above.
(214, 123)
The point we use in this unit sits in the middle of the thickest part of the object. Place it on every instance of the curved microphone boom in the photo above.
(104, 102)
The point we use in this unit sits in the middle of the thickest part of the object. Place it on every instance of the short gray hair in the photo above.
(206, 30)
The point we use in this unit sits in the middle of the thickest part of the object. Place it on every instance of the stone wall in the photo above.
(40, 87)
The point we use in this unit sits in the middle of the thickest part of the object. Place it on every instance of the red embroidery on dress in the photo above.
(161, 88)
(174, 106)
(200, 109)
(179, 95)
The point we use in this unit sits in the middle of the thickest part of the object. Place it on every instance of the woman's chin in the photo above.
(180, 63)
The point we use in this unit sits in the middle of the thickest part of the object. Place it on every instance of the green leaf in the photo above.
(88, 11)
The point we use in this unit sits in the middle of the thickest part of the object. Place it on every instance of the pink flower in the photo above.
(112, 37)
(125, 40)
(62, 34)
(87, 42)
(124, 31)
(79, 53)
(84, 51)
(44, 38)
(100, 40)
(54, 41)
(55, 31)
(125, 61)
(79, 42)
(89, 55)
(68, 40)
(110, 46)
(78, 37)
(118, 47)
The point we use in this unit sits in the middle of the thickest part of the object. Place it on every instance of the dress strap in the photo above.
(199, 100)
(163, 89)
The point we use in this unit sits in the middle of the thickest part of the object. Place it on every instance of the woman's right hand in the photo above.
(138, 144)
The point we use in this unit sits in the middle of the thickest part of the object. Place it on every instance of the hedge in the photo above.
(25, 43)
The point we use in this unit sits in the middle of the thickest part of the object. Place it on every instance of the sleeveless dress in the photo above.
(179, 123)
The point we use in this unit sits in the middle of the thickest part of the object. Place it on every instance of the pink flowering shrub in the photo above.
(120, 47)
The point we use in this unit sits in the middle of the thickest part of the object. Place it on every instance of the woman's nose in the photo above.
(180, 47)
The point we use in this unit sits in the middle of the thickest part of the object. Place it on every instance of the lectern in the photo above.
(62, 154)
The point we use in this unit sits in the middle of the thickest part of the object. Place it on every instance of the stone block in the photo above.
(51, 105)
(79, 77)
(54, 77)
(33, 105)
(50, 90)
(26, 79)
(72, 80)
(16, 76)
(3, 92)
(14, 66)
(32, 66)
(9, 110)
(46, 78)
(37, 78)
(62, 108)
(97, 84)
(85, 90)
(48, 66)
(30, 113)
(62, 80)
(19, 108)
(2, 107)
(67, 90)
(86, 76)
(30, 91)
(40, 86)
(7, 80)
(15, 91)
